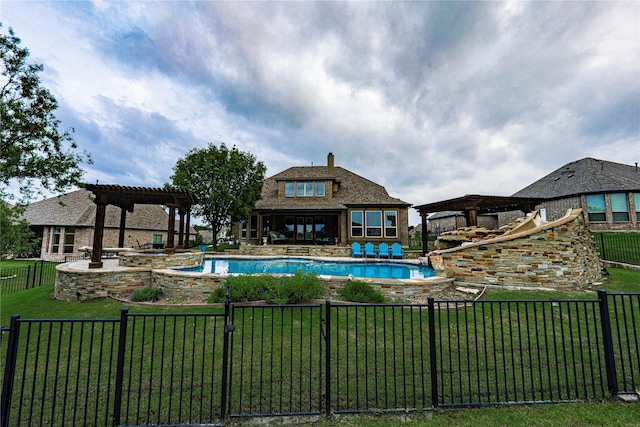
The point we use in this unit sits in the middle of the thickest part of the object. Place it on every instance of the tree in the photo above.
(15, 235)
(32, 148)
(227, 183)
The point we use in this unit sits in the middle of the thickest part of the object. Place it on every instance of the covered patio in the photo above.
(125, 198)
(473, 205)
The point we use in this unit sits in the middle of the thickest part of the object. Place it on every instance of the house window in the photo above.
(254, 227)
(56, 240)
(390, 224)
(619, 207)
(596, 210)
(157, 238)
(305, 189)
(356, 223)
(289, 189)
(243, 229)
(69, 238)
(374, 223)
(636, 201)
(320, 189)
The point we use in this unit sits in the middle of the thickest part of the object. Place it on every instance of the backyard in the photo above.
(36, 303)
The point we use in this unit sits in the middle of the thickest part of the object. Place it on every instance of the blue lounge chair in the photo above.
(369, 250)
(397, 251)
(356, 251)
(383, 251)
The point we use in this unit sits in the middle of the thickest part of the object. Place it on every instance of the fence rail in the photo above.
(618, 246)
(35, 274)
(261, 360)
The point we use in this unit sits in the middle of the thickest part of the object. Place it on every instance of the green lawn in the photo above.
(37, 303)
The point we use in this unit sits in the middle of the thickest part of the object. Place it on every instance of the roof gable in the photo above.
(584, 176)
(77, 209)
(354, 190)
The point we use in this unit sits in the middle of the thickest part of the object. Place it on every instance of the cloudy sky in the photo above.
(433, 100)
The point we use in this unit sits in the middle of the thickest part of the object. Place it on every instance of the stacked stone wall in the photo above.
(82, 285)
(160, 260)
(563, 256)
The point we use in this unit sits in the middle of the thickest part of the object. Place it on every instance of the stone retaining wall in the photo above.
(198, 286)
(295, 250)
(83, 285)
(562, 255)
(160, 260)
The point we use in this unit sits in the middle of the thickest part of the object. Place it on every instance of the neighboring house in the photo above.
(607, 192)
(440, 222)
(65, 223)
(324, 205)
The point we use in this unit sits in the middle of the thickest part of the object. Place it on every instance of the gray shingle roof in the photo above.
(584, 176)
(354, 190)
(76, 209)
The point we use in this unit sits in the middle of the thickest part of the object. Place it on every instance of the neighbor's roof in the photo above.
(583, 177)
(77, 209)
(354, 190)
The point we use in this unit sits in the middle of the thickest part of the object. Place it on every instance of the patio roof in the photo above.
(481, 204)
(126, 197)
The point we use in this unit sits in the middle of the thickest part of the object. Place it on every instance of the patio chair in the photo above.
(383, 251)
(369, 250)
(277, 237)
(356, 250)
(397, 251)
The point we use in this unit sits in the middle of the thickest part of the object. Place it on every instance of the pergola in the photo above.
(126, 197)
(473, 205)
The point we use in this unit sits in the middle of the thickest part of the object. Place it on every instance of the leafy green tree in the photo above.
(227, 183)
(32, 148)
(15, 235)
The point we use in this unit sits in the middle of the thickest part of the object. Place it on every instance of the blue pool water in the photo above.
(371, 270)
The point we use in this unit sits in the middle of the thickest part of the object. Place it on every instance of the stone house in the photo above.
(607, 192)
(316, 205)
(65, 223)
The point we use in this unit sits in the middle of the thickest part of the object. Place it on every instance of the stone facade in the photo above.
(558, 255)
(74, 284)
(160, 260)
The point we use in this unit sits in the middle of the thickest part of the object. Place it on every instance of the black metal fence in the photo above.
(35, 274)
(262, 360)
(618, 246)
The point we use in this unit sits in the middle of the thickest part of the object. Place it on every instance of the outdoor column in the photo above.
(171, 230)
(123, 219)
(96, 252)
(471, 215)
(181, 230)
(188, 225)
(425, 235)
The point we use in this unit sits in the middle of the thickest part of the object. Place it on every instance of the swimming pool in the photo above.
(360, 269)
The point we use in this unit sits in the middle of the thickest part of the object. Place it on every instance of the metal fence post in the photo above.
(228, 328)
(26, 285)
(433, 362)
(122, 342)
(607, 341)
(327, 347)
(9, 370)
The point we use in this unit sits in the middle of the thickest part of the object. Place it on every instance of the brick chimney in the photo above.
(330, 164)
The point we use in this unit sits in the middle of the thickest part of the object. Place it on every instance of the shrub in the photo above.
(359, 291)
(298, 288)
(244, 288)
(146, 294)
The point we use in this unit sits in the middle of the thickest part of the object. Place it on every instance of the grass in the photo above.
(274, 374)
(605, 413)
